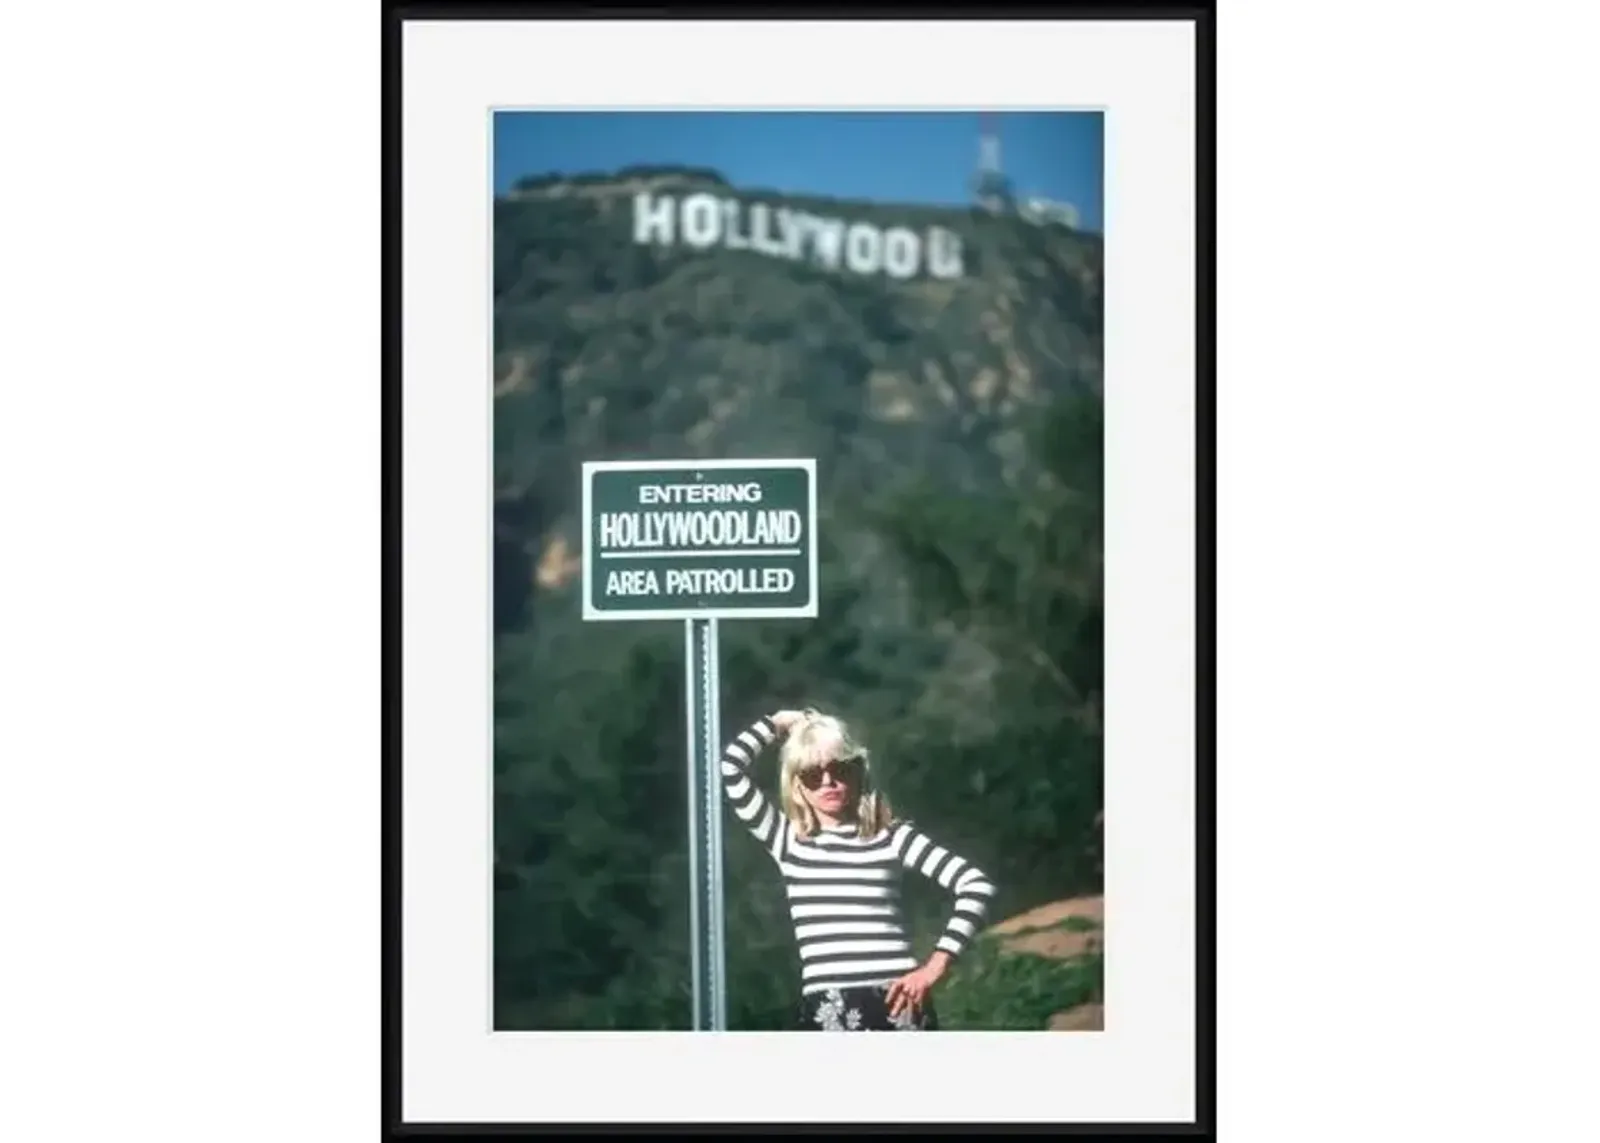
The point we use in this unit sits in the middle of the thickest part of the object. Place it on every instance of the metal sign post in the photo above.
(699, 541)
(706, 922)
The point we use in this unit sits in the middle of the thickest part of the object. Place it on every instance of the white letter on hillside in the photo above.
(730, 219)
(863, 249)
(944, 253)
(901, 252)
(791, 225)
(761, 227)
(652, 217)
(701, 219)
(826, 235)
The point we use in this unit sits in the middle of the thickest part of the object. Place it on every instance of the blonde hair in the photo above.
(815, 740)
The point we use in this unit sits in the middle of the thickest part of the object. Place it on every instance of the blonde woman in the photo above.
(841, 853)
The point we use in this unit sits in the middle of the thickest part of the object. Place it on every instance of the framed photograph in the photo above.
(798, 573)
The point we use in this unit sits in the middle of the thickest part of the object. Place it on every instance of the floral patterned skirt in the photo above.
(862, 1009)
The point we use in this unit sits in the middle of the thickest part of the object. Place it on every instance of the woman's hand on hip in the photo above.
(912, 989)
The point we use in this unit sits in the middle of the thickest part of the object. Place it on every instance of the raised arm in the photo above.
(753, 807)
(971, 887)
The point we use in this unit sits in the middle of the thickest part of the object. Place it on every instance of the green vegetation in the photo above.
(957, 431)
(989, 990)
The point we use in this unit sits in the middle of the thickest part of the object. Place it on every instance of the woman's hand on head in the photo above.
(784, 720)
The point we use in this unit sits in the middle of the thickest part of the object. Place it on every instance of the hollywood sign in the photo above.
(704, 220)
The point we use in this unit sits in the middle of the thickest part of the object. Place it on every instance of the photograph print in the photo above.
(803, 410)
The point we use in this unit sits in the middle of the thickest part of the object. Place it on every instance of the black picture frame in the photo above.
(1203, 1126)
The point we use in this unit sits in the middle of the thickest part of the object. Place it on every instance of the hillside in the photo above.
(1040, 970)
(943, 367)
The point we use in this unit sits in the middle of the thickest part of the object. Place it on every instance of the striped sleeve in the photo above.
(971, 887)
(752, 807)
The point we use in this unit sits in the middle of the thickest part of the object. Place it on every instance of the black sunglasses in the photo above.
(842, 771)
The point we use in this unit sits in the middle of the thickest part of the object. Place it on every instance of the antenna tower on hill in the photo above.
(992, 190)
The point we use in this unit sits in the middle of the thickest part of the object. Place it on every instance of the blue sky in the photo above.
(899, 156)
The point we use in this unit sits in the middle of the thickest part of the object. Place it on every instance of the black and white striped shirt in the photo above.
(844, 893)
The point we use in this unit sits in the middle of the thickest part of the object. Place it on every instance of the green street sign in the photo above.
(700, 539)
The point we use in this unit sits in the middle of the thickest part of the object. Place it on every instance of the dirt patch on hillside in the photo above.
(1058, 939)
(1060, 930)
(1084, 1018)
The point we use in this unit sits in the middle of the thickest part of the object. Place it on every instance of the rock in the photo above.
(1084, 1018)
